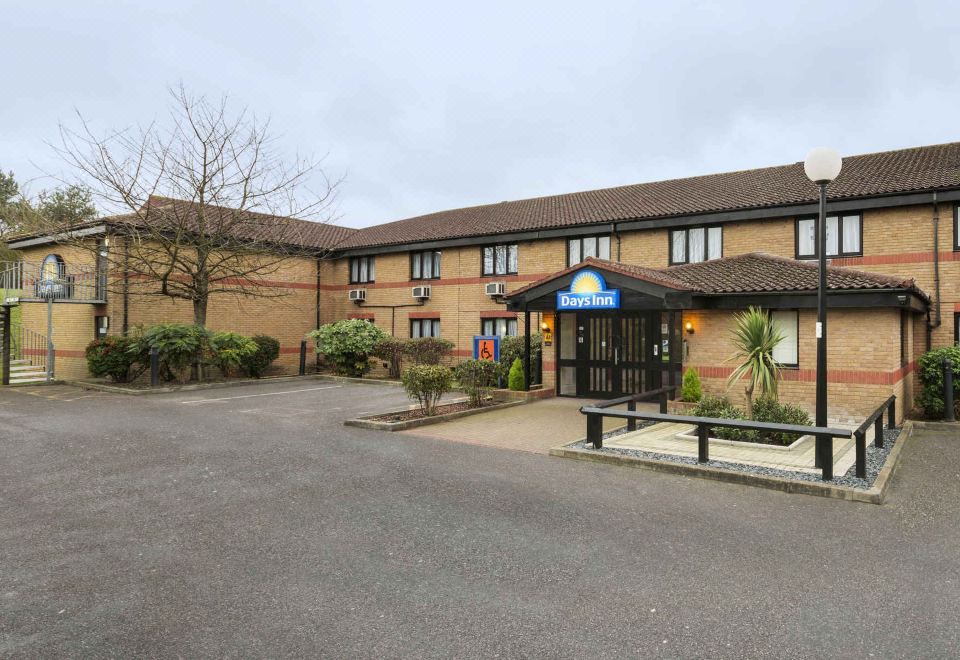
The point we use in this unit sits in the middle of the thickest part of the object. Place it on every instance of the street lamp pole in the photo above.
(822, 166)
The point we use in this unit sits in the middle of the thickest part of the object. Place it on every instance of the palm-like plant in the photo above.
(755, 335)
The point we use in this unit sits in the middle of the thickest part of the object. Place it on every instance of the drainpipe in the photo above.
(616, 232)
(125, 326)
(938, 319)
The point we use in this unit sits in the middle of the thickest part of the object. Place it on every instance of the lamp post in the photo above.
(822, 166)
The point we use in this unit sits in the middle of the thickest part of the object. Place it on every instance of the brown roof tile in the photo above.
(919, 168)
(748, 273)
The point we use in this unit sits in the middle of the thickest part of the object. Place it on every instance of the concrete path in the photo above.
(535, 427)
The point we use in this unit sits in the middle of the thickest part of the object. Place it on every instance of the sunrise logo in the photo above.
(588, 290)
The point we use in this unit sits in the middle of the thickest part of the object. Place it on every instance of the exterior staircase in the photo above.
(23, 372)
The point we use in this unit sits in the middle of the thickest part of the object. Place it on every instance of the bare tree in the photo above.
(205, 206)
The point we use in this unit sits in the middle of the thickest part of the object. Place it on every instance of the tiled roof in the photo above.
(919, 168)
(748, 273)
(247, 225)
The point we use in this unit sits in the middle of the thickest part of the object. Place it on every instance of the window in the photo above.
(425, 265)
(499, 260)
(579, 249)
(844, 234)
(362, 270)
(956, 227)
(787, 351)
(499, 327)
(424, 328)
(695, 244)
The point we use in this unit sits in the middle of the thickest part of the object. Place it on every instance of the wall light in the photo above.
(689, 327)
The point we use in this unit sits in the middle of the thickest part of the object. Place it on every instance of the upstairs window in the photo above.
(499, 260)
(844, 236)
(695, 244)
(362, 270)
(579, 249)
(425, 265)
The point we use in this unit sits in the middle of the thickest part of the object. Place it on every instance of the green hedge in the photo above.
(348, 344)
(426, 383)
(930, 365)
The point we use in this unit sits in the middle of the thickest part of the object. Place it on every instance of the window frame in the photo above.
(580, 240)
(956, 227)
(371, 267)
(796, 316)
(841, 254)
(494, 320)
(419, 322)
(494, 246)
(435, 256)
(686, 252)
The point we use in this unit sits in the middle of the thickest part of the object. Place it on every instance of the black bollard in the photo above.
(303, 358)
(948, 415)
(154, 367)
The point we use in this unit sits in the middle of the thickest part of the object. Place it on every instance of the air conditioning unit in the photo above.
(496, 288)
(358, 295)
(421, 292)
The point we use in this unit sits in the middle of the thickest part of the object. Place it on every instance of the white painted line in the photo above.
(249, 396)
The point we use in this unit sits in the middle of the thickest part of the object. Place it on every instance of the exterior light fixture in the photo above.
(688, 326)
(822, 166)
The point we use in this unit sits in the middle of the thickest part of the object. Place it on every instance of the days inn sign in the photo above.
(588, 290)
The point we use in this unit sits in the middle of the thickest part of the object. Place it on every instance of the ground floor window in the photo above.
(499, 327)
(788, 350)
(424, 328)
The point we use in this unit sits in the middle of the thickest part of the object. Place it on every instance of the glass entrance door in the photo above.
(608, 354)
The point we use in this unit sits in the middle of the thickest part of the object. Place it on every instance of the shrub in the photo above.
(515, 379)
(767, 409)
(755, 335)
(931, 378)
(348, 344)
(392, 350)
(690, 389)
(179, 345)
(111, 356)
(721, 408)
(428, 350)
(477, 378)
(228, 350)
(511, 348)
(268, 350)
(426, 383)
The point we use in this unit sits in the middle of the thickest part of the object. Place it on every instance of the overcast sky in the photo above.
(428, 106)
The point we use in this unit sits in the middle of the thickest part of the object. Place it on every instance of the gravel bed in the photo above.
(876, 457)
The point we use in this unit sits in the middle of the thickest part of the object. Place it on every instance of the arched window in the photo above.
(53, 268)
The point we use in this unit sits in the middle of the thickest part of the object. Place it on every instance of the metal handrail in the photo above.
(23, 281)
(876, 419)
(595, 417)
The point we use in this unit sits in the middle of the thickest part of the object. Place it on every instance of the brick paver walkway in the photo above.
(534, 427)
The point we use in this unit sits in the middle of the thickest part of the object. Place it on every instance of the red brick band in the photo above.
(833, 375)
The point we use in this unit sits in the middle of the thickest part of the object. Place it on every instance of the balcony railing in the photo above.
(22, 281)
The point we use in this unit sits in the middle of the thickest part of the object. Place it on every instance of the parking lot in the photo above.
(248, 521)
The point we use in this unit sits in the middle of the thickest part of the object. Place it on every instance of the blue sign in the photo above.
(486, 347)
(588, 290)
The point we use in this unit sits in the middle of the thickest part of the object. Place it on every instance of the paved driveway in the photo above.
(249, 522)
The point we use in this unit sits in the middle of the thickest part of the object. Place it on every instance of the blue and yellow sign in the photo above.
(588, 290)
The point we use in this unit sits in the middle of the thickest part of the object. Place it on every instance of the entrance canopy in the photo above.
(738, 282)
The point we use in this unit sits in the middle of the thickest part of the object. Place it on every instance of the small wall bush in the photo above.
(515, 379)
(268, 350)
(111, 357)
(511, 348)
(348, 344)
(768, 409)
(426, 384)
(392, 350)
(428, 350)
(180, 346)
(930, 365)
(228, 350)
(691, 390)
(477, 378)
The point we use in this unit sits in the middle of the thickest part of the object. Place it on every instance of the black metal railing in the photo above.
(595, 415)
(876, 420)
(661, 394)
